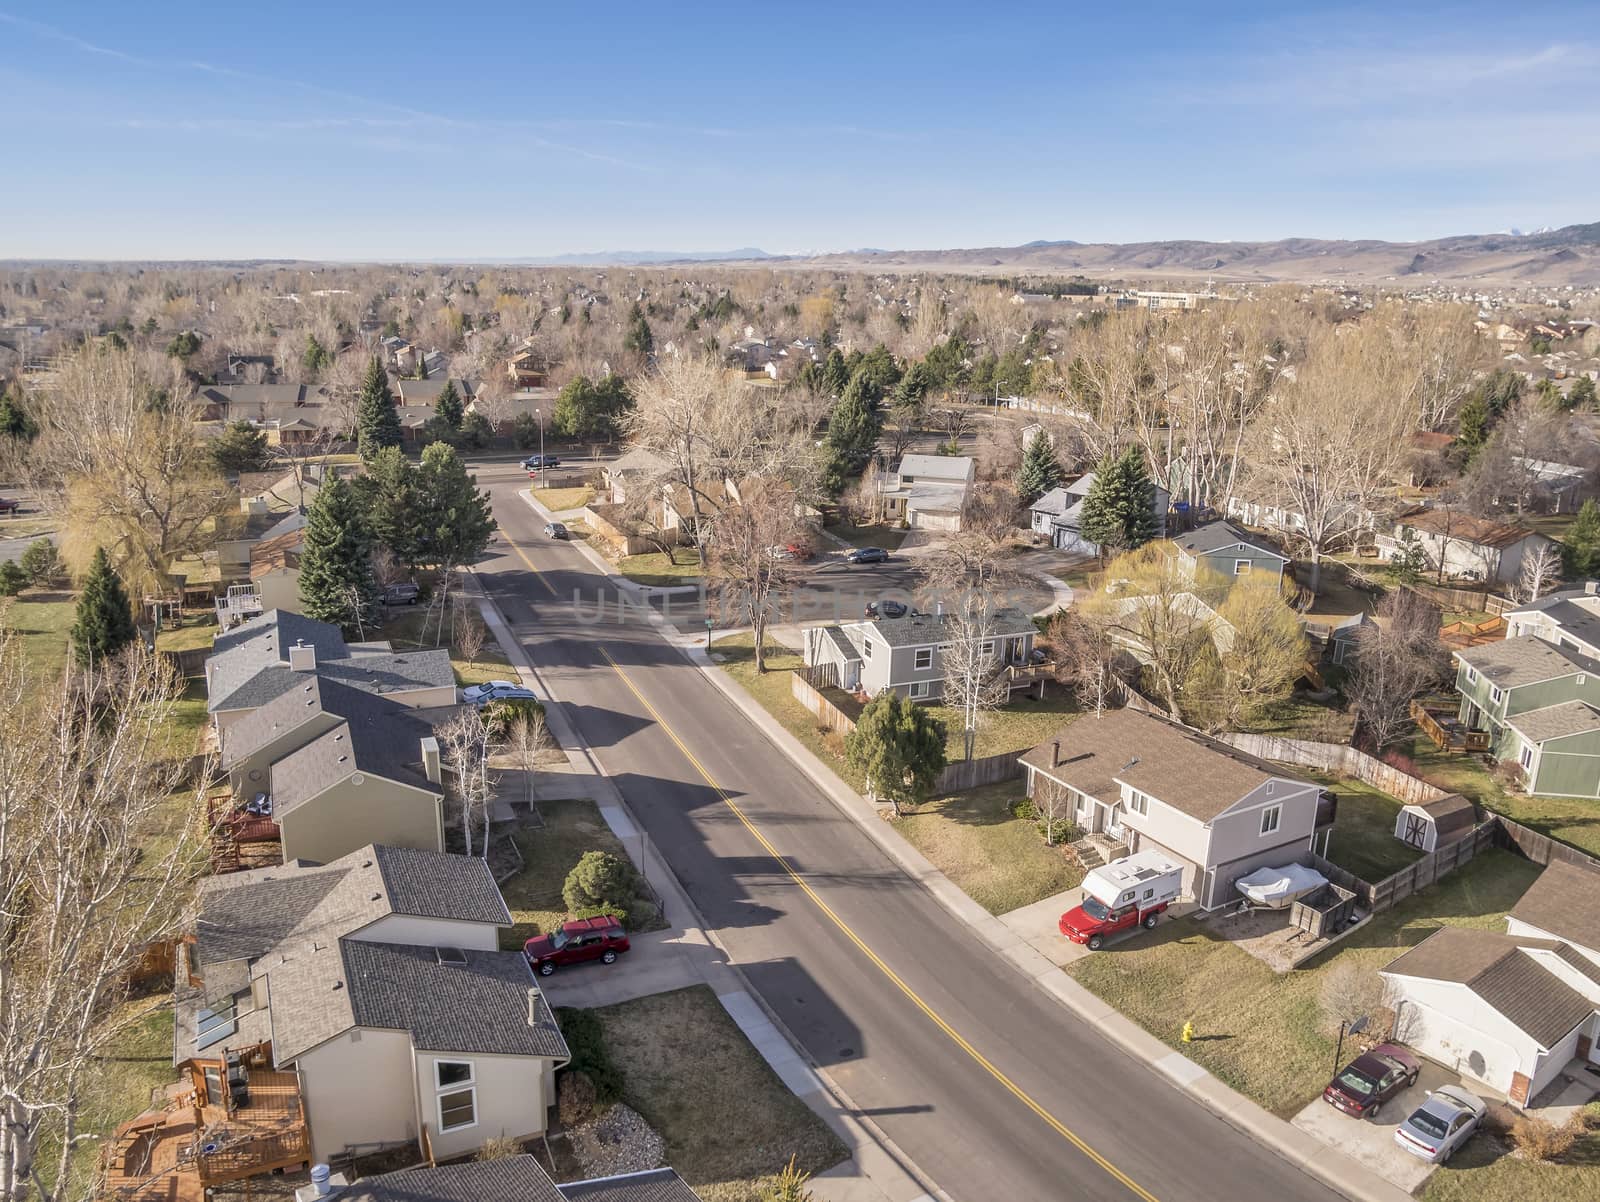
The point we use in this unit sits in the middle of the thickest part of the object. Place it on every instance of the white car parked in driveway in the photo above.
(1440, 1125)
(496, 690)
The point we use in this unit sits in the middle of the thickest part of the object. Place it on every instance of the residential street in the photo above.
(978, 1077)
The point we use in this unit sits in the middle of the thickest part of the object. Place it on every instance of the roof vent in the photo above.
(1129, 764)
(377, 897)
(533, 1005)
(343, 758)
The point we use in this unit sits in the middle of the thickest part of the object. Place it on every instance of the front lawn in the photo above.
(42, 620)
(998, 860)
(1262, 1032)
(1024, 722)
(1363, 831)
(550, 852)
(887, 537)
(657, 570)
(729, 1121)
(33, 525)
(1483, 1172)
(558, 500)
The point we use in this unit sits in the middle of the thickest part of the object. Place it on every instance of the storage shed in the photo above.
(1428, 826)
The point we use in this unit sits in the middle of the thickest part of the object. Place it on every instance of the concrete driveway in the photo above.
(1036, 925)
(1371, 1141)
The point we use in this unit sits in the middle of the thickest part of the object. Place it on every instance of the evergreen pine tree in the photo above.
(388, 497)
(455, 522)
(14, 419)
(639, 339)
(835, 375)
(240, 447)
(853, 425)
(1580, 548)
(336, 582)
(422, 364)
(1474, 425)
(104, 621)
(1039, 472)
(448, 406)
(316, 356)
(377, 423)
(1117, 512)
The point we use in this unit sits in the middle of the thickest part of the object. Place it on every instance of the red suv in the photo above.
(574, 942)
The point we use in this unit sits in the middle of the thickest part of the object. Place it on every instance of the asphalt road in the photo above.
(991, 1089)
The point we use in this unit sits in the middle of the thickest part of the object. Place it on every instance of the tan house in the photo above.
(376, 985)
(1143, 783)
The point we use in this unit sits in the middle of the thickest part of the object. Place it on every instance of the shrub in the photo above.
(41, 561)
(500, 716)
(586, 1041)
(599, 883)
(1351, 989)
(499, 1147)
(12, 579)
(789, 1185)
(1025, 810)
(1058, 830)
(575, 1098)
(1540, 1139)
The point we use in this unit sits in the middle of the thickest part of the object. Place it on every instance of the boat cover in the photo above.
(1265, 886)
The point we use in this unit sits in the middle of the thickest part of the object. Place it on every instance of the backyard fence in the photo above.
(1541, 849)
(986, 770)
(1338, 758)
(1380, 895)
(1479, 600)
(824, 710)
(189, 663)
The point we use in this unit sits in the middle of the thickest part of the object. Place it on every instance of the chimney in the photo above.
(430, 759)
(533, 1005)
(1589, 586)
(302, 658)
(1055, 754)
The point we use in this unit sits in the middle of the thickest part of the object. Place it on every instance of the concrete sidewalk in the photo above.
(687, 953)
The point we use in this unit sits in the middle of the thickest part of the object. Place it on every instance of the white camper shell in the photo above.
(1144, 879)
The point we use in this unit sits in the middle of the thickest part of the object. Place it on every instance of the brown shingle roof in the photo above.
(1194, 774)
(1501, 972)
(1452, 816)
(1465, 528)
(1565, 901)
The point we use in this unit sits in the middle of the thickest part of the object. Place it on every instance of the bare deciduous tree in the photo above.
(97, 862)
(1394, 665)
(526, 739)
(749, 559)
(464, 743)
(1541, 571)
(975, 683)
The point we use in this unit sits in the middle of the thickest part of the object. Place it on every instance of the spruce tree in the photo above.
(104, 621)
(1580, 547)
(422, 364)
(377, 423)
(448, 406)
(388, 495)
(639, 339)
(455, 524)
(1039, 472)
(1118, 512)
(336, 582)
(315, 357)
(14, 419)
(853, 425)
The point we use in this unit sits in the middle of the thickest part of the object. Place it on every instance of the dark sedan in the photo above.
(867, 555)
(1371, 1079)
(885, 609)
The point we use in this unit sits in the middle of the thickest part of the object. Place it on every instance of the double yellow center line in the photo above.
(844, 928)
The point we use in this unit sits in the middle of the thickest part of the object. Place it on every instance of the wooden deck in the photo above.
(176, 1154)
(1446, 731)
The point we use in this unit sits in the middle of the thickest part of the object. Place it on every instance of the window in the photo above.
(1138, 803)
(1270, 817)
(1526, 757)
(458, 1107)
(923, 659)
(986, 648)
(1495, 694)
(1472, 674)
(919, 689)
(866, 648)
(1241, 567)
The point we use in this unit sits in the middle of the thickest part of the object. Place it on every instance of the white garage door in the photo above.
(1457, 1046)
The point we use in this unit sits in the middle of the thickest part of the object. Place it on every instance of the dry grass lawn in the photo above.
(729, 1121)
(42, 620)
(550, 852)
(405, 632)
(655, 569)
(1261, 1032)
(558, 500)
(1484, 1171)
(999, 861)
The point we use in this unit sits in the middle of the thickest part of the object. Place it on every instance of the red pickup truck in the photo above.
(1122, 895)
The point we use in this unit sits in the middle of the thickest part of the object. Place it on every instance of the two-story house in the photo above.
(1058, 514)
(1567, 617)
(1222, 549)
(1468, 547)
(1540, 704)
(905, 654)
(1150, 784)
(376, 982)
(928, 492)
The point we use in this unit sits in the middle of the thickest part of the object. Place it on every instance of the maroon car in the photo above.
(574, 942)
(1371, 1079)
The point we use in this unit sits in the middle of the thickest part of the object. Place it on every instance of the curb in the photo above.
(1343, 1175)
(857, 1131)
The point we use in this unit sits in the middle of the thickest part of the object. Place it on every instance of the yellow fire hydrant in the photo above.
(1188, 1032)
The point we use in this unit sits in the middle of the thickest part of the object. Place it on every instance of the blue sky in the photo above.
(346, 131)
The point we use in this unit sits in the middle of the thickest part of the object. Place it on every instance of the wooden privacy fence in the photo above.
(825, 711)
(1379, 896)
(190, 662)
(1339, 758)
(1480, 600)
(1541, 849)
(986, 770)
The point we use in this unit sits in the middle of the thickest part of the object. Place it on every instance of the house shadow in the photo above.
(806, 1010)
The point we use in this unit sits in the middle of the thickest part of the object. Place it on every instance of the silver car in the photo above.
(1441, 1124)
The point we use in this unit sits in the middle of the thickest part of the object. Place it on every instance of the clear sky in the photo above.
(485, 130)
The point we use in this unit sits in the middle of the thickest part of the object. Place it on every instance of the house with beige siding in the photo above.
(905, 655)
(1145, 783)
(377, 983)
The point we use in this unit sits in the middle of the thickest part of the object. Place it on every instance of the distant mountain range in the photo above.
(622, 258)
(1570, 255)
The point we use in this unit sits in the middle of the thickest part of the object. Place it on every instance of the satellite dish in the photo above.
(1358, 1025)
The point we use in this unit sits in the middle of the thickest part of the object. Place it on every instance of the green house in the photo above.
(1540, 704)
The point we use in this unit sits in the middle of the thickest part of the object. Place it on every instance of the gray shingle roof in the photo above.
(1564, 900)
(1217, 536)
(1524, 660)
(1196, 775)
(392, 672)
(1055, 502)
(260, 644)
(1555, 721)
(923, 630)
(479, 1006)
(309, 697)
(1500, 971)
(376, 744)
(435, 884)
(652, 1185)
(1453, 815)
(511, 1179)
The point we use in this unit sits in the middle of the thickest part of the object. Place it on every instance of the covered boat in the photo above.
(1279, 888)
